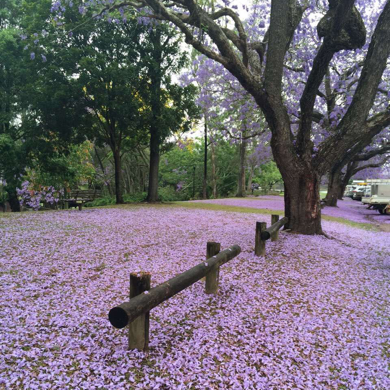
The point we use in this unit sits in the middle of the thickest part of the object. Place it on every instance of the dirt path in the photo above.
(384, 227)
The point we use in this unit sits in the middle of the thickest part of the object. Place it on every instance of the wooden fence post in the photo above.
(259, 243)
(139, 328)
(212, 278)
(274, 219)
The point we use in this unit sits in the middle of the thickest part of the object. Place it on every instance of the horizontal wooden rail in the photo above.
(267, 234)
(263, 234)
(127, 312)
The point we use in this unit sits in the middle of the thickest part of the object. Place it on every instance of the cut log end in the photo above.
(118, 317)
(265, 236)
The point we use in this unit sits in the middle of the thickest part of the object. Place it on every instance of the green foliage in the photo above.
(170, 194)
(177, 169)
(227, 161)
(180, 169)
(104, 201)
(65, 171)
(269, 176)
(110, 200)
(40, 113)
(135, 198)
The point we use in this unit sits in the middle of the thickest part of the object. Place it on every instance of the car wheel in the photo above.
(381, 211)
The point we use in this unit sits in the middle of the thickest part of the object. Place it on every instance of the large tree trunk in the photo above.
(204, 191)
(118, 177)
(334, 188)
(13, 200)
(303, 203)
(241, 175)
(213, 171)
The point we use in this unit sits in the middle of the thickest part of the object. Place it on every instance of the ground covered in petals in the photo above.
(313, 313)
(347, 208)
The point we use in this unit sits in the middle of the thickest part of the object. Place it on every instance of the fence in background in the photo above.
(263, 234)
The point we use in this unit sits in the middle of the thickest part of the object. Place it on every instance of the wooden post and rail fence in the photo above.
(263, 234)
(135, 312)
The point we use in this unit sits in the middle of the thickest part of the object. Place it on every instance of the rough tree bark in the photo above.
(302, 201)
(338, 181)
(334, 188)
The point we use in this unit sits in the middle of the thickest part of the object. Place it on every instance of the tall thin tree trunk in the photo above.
(118, 177)
(128, 181)
(103, 171)
(241, 175)
(204, 188)
(350, 171)
(154, 165)
(250, 178)
(343, 186)
(155, 74)
(213, 171)
(334, 188)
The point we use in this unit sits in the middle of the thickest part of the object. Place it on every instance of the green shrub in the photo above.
(165, 194)
(135, 198)
(104, 201)
(169, 194)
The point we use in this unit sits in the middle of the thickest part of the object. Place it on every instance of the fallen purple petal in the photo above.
(313, 313)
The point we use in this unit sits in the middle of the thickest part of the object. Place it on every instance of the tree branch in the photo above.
(321, 62)
(372, 153)
(373, 68)
(285, 17)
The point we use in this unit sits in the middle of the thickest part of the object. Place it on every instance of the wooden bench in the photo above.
(77, 198)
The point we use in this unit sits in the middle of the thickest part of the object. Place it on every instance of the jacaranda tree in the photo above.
(284, 66)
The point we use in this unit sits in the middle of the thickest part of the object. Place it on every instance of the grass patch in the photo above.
(219, 207)
(360, 225)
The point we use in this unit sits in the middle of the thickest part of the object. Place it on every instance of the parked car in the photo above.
(367, 196)
(358, 193)
(380, 197)
(349, 191)
(379, 203)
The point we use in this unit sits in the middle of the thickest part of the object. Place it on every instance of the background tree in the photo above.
(171, 108)
(122, 71)
(339, 177)
(228, 110)
(40, 113)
